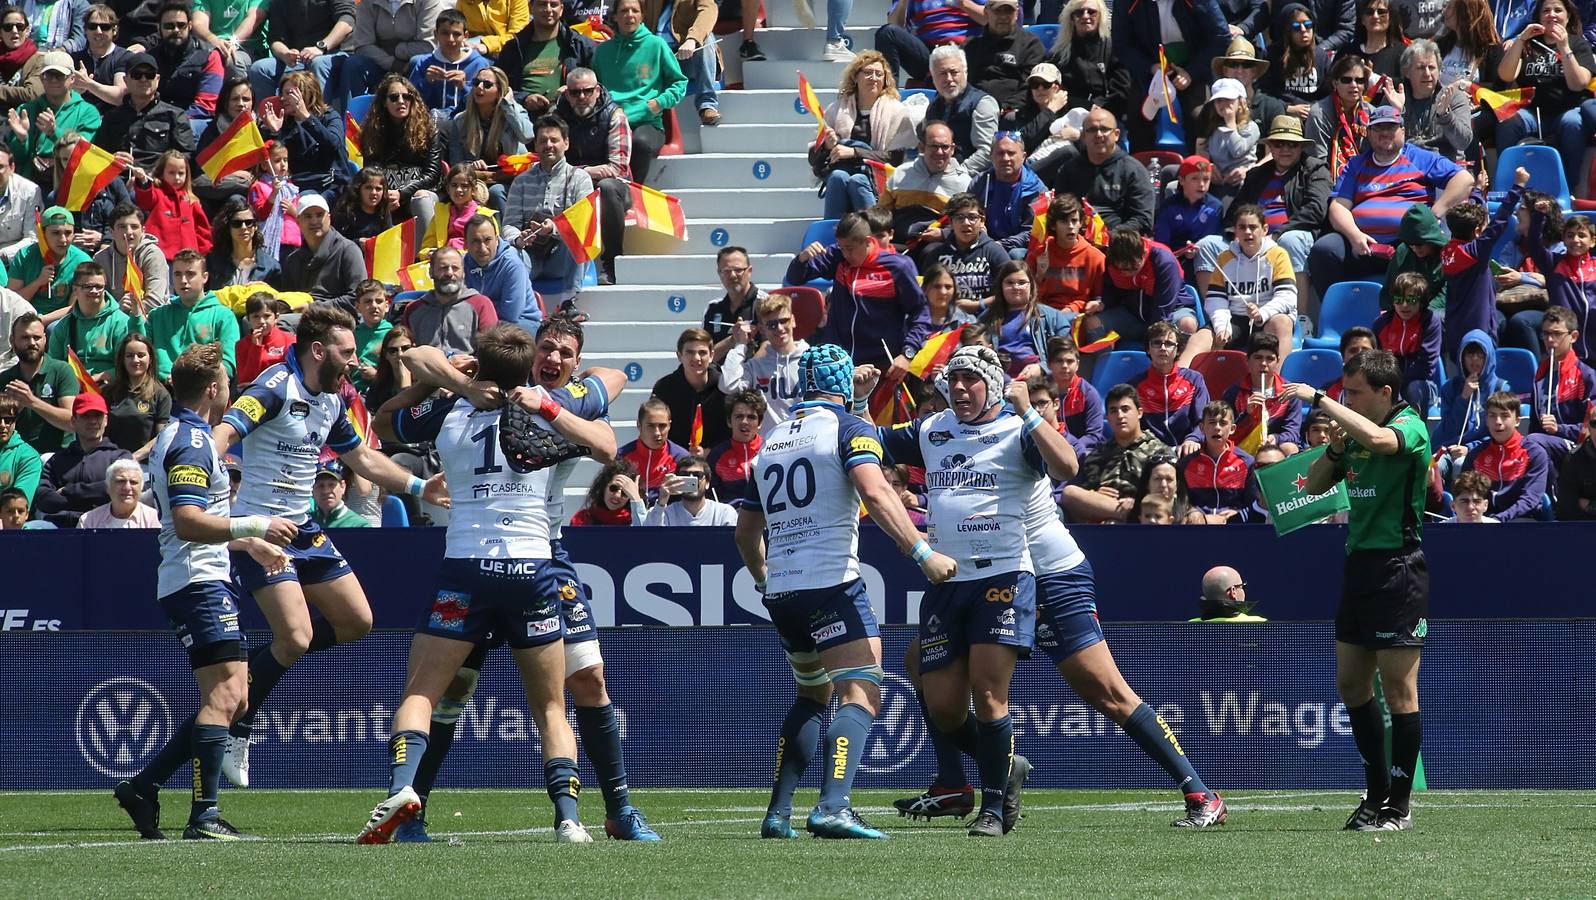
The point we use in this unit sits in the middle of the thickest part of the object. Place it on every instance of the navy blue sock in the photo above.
(322, 635)
(1407, 730)
(264, 673)
(564, 786)
(601, 738)
(845, 744)
(158, 771)
(406, 749)
(1148, 729)
(800, 732)
(439, 739)
(994, 748)
(209, 742)
(1368, 732)
(946, 747)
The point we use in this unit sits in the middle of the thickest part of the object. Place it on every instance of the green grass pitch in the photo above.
(1070, 844)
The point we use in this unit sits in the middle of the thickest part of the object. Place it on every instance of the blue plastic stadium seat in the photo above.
(359, 106)
(1516, 366)
(1196, 303)
(1346, 304)
(822, 231)
(1545, 166)
(393, 513)
(1117, 367)
(1316, 367)
(1047, 34)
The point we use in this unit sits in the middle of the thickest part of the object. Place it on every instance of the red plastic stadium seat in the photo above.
(1162, 157)
(808, 309)
(1221, 369)
(673, 135)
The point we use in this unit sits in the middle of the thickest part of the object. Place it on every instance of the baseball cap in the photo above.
(234, 467)
(1227, 89)
(308, 202)
(55, 61)
(1191, 165)
(87, 403)
(1045, 71)
(56, 215)
(1385, 115)
(332, 468)
(141, 61)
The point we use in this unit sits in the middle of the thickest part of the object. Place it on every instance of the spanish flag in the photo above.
(390, 253)
(1078, 327)
(1169, 102)
(880, 172)
(1503, 103)
(698, 426)
(1039, 208)
(890, 402)
(416, 277)
(655, 211)
(238, 149)
(515, 164)
(86, 383)
(133, 283)
(352, 142)
(806, 96)
(935, 352)
(360, 419)
(594, 29)
(45, 253)
(578, 227)
(87, 173)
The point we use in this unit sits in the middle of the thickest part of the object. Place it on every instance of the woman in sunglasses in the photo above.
(312, 132)
(1298, 70)
(238, 250)
(1091, 74)
(20, 64)
(491, 125)
(399, 135)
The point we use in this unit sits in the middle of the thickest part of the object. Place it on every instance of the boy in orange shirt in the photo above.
(1067, 269)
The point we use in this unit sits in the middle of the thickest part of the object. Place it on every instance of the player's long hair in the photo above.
(504, 356)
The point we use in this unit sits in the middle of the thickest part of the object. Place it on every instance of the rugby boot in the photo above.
(144, 811)
(571, 831)
(235, 761)
(843, 824)
(413, 832)
(211, 830)
(938, 801)
(776, 826)
(388, 816)
(1392, 820)
(630, 826)
(1364, 817)
(1019, 770)
(987, 825)
(1203, 811)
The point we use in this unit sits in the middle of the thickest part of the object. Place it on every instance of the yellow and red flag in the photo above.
(1503, 103)
(935, 352)
(1169, 102)
(516, 163)
(86, 383)
(360, 419)
(45, 253)
(87, 173)
(1039, 208)
(811, 102)
(133, 283)
(656, 211)
(594, 29)
(1078, 327)
(880, 171)
(891, 402)
(578, 227)
(391, 252)
(416, 277)
(238, 149)
(698, 426)
(352, 142)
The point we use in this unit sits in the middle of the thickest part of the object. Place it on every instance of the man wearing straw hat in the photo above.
(1294, 192)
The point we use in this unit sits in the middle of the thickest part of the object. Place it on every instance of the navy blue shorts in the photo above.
(312, 559)
(998, 609)
(575, 607)
(815, 620)
(204, 615)
(479, 600)
(1067, 606)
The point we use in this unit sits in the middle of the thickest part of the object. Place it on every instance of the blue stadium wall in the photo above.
(91, 683)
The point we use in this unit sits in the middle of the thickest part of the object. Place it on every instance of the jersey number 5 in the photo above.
(777, 476)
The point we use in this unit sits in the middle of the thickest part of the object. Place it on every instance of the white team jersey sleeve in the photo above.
(186, 471)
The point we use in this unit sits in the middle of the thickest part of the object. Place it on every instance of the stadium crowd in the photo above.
(1298, 183)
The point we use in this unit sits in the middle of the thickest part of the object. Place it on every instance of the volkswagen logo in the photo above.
(121, 722)
(899, 732)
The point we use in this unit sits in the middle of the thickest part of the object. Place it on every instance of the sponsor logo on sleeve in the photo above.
(190, 476)
(865, 445)
(251, 408)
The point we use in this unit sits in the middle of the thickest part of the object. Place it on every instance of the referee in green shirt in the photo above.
(1381, 447)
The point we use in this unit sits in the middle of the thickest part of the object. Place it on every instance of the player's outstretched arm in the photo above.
(1376, 438)
(595, 434)
(387, 474)
(1062, 463)
(750, 539)
(382, 420)
(887, 511)
(614, 380)
(431, 367)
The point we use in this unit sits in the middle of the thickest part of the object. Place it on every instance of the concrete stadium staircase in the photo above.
(745, 182)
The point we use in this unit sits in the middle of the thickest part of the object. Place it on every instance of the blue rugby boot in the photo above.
(630, 826)
(843, 824)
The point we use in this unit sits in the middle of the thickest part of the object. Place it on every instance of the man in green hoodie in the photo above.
(643, 78)
(1419, 244)
(19, 463)
(95, 327)
(57, 111)
(49, 286)
(195, 317)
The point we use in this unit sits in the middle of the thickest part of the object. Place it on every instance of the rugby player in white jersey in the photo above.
(559, 352)
(195, 587)
(284, 418)
(498, 576)
(983, 462)
(804, 494)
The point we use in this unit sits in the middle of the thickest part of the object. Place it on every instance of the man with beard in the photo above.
(191, 69)
(601, 146)
(43, 388)
(450, 315)
(327, 266)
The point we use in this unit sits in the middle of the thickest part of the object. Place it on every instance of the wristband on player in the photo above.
(549, 408)
(1331, 454)
(1033, 420)
(920, 552)
(248, 526)
(415, 487)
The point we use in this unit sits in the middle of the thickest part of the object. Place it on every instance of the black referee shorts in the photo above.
(1385, 599)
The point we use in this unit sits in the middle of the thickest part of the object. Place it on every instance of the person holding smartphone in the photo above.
(682, 499)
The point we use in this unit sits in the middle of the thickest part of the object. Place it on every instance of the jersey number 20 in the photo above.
(777, 476)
